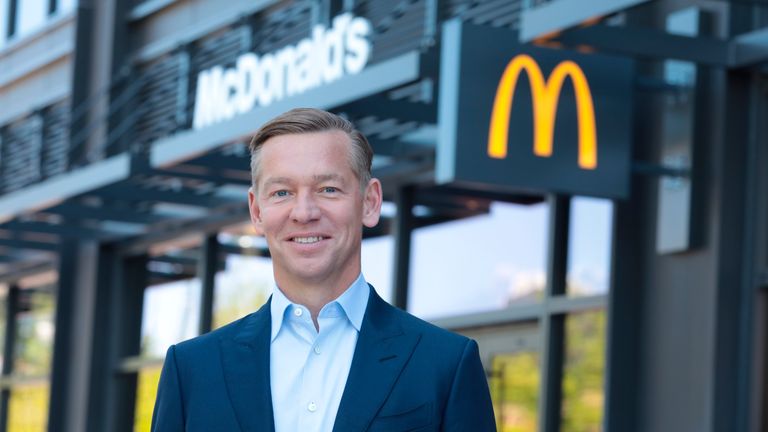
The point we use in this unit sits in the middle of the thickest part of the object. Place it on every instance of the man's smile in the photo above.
(307, 239)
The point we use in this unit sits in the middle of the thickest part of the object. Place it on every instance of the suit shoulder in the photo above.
(208, 340)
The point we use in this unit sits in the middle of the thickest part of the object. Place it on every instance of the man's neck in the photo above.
(313, 295)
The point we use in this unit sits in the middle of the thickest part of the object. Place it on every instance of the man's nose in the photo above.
(305, 209)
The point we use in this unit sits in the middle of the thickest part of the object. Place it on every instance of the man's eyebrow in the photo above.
(276, 180)
(327, 177)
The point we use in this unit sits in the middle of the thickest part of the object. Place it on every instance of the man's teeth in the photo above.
(305, 240)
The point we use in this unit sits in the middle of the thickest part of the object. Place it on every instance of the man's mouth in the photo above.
(308, 240)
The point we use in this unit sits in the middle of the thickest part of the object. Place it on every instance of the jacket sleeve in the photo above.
(469, 406)
(168, 415)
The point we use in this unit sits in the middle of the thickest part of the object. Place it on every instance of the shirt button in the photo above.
(312, 407)
(317, 349)
(298, 312)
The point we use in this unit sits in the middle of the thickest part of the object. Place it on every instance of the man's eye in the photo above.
(329, 189)
(280, 194)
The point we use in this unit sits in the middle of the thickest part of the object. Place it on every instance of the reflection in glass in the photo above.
(242, 288)
(34, 332)
(146, 392)
(28, 408)
(589, 246)
(480, 263)
(583, 394)
(171, 315)
(514, 385)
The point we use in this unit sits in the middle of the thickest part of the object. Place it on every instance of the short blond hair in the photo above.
(309, 120)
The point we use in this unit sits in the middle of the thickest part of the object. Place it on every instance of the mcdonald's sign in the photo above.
(531, 119)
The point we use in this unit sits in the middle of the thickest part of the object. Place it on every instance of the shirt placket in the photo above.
(309, 397)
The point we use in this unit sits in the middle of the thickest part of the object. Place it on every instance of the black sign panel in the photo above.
(517, 117)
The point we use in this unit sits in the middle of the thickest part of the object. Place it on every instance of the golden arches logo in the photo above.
(545, 94)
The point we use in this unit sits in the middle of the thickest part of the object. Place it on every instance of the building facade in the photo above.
(576, 184)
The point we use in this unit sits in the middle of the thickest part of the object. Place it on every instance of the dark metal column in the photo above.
(623, 316)
(11, 308)
(207, 264)
(735, 289)
(404, 224)
(553, 326)
(66, 308)
(117, 335)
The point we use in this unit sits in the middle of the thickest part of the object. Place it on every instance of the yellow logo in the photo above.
(546, 94)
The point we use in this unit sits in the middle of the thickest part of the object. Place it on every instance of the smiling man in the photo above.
(325, 353)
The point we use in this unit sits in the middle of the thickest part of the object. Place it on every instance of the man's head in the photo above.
(310, 197)
(308, 120)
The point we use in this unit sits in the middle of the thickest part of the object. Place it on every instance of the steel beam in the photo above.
(404, 224)
(29, 245)
(650, 43)
(209, 176)
(136, 193)
(208, 264)
(62, 230)
(103, 213)
(553, 325)
(558, 15)
(749, 49)
(746, 50)
(383, 107)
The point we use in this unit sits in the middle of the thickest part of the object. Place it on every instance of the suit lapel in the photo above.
(245, 359)
(382, 350)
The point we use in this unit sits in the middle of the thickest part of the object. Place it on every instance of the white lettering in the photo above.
(248, 72)
(358, 47)
(333, 49)
(208, 91)
(322, 58)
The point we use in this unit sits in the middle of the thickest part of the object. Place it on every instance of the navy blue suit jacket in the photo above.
(406, 375)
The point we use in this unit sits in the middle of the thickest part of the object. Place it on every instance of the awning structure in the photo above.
(197, 180)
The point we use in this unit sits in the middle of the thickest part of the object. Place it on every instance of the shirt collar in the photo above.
(353, 301)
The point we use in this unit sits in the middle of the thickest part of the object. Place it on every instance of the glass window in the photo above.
(514, 385)
(171, 315)
(511, 358)
(65, 6)
(28, 407)
(146, 393)
(243, 287)
(589, 246)
(480, 263)
(33, 351)
(30, 16)
(34, 332)
(376, 261)
(583, 392)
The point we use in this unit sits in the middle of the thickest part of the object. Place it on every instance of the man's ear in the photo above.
(372, 203)
(253, 208)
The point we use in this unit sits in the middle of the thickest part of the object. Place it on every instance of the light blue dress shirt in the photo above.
(309, 368)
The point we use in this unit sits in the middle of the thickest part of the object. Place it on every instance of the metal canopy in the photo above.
(197, 180)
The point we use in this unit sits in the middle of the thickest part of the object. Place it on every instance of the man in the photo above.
(326, 352)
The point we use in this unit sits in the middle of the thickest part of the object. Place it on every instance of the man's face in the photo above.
(310, 206)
